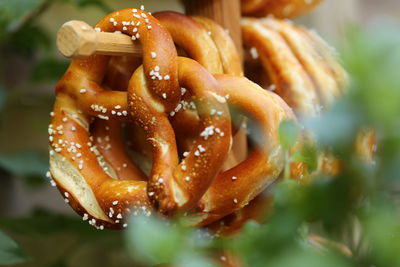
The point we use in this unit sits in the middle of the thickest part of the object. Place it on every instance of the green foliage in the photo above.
(154, 241)
(64, 240)
(49, 69)
(307, 154)
(26, 163)
(3, 96)
(30, 165)
(16, 12)
(96, 3)
(10, 253)
(288, 133)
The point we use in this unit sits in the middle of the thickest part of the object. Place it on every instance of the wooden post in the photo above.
(224, 12)
(227, 14)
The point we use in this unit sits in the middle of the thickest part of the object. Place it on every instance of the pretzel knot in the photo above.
(88, 158)
(75, 164)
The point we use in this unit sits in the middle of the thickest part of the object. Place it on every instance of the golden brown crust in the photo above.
(257, 210)
(228, 54)
(193, 38)
(75, 163)
(87, 157)
(249, 178)
(213, 49)
(175, 186)
(278, 8)
(107, 138)
(300, 66)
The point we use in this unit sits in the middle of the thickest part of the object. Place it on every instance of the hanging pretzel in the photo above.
(87, 183)
(300, 66)
(210, 45)
(278, 8)
(244, 87)
(304, 71)
(75, 164)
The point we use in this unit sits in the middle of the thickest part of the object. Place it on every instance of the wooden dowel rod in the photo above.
(76, 39)
(224, 12)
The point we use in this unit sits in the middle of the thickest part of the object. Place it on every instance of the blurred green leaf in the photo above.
(27, 164)
(18, 41)
(3, 96)
(10, 253)
(49, 69)
(42, 222)
(288, 133)
(16, 11)
(65, 240)
(96, 3)
(307, 154)
(384, 242)
(154, 241)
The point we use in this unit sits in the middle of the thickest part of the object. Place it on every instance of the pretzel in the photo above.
(304, 71)
(243, 214)
(225, 53)
(245, 180)
(262, 167)
(300, 66)
(209, 44)
(173, 186)
(75, 164)
(277, 8)
(257, 210)
(101, 191)
(247, 208)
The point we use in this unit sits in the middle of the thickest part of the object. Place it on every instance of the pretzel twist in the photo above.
(210, 45)
(75, 164)
(256, 160)
(278, 8)
(96, 175)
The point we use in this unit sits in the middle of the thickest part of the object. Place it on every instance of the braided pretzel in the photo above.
(300, 66)
(174, 186)
(208, 43)
(278, 8)
(92, 190)
(230, 225)
(220, 52)
(74, 163)
(245, 181)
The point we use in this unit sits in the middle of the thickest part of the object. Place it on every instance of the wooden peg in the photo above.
(225, 12)
(77, 39)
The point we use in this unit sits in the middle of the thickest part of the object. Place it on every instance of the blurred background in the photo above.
(29, 68)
